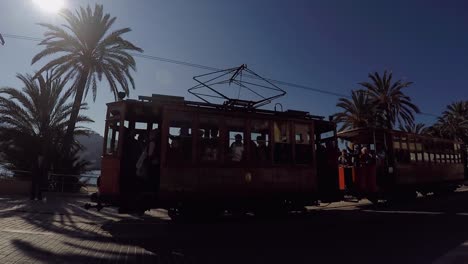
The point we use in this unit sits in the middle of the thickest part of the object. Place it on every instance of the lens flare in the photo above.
(51, 6)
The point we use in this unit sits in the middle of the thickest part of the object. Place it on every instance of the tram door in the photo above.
(327, 162)
(140, 156)
(370, 158)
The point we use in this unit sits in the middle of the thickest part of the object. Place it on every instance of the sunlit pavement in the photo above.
(58, 230)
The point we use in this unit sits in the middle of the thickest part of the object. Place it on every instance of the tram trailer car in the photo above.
(403, 164)
(213, 158)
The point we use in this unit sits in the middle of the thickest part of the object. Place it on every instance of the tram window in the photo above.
(419, 156)
(303, 149)
(141, 125)
(426, 156)
(412, 157)
(208, 139)
(236, 148)
(418, 145)
(396, 142)
(260, 141)
(327, 134)
(404, 144)
(412, 146)
(437, 158)
(112, 138)
(236, 151)
(126, 124)
(154, 126)
(282, 147)
(180, 139)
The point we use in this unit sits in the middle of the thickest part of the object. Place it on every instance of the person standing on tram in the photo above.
(365, 158)
(344, 159)
(211, 146)
(237, 148)
(154, 157)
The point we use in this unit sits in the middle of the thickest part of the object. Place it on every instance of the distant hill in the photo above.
(92, 150)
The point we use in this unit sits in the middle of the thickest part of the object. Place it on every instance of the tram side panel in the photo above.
(237, 185)
(109, 179)
(420, 174)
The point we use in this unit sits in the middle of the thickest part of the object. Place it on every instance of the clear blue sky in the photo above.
(329, 45)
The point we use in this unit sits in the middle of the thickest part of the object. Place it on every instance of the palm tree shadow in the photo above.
(38, 254)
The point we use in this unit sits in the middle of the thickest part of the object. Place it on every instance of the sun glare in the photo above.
(51, 6)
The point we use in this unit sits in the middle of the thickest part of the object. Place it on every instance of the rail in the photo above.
(55, 182)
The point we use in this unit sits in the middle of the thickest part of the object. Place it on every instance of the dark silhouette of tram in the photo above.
(208, 157)
(203, 158)
(216, 157)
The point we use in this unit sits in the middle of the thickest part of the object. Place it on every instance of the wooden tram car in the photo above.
(298, 166)
(404, 164)
(234, 156)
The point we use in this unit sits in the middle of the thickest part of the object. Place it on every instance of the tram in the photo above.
(287, 159)
(198, 158)
(212, 157)
(402, 164)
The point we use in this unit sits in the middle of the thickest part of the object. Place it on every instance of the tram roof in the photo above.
(364, 132)
(178, 100)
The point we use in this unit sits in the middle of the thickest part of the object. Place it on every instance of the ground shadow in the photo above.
(397, 233)
(368, 234)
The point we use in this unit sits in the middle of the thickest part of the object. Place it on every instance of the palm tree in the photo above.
(86, 52)
(454, 121)
(34, 120)
(418, 128)
(390, 100)
(357, 111)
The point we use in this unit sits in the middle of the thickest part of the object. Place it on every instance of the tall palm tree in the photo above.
(85, 51)
(34, 119)
(357, 111)
(390, 99)
(454, 121)
(418, 128)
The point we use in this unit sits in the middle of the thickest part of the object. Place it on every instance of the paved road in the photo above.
(60, 231)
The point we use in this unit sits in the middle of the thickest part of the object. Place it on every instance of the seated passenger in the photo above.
(237, 148)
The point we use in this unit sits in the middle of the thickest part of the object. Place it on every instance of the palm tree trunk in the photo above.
(80, 88)
(389, 121)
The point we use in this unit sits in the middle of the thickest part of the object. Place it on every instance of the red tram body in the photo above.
(299, 165)
(291, 172)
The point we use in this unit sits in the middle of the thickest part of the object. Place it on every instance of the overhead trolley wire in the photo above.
(204, 67)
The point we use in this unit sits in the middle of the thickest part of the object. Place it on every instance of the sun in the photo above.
(51, 6)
